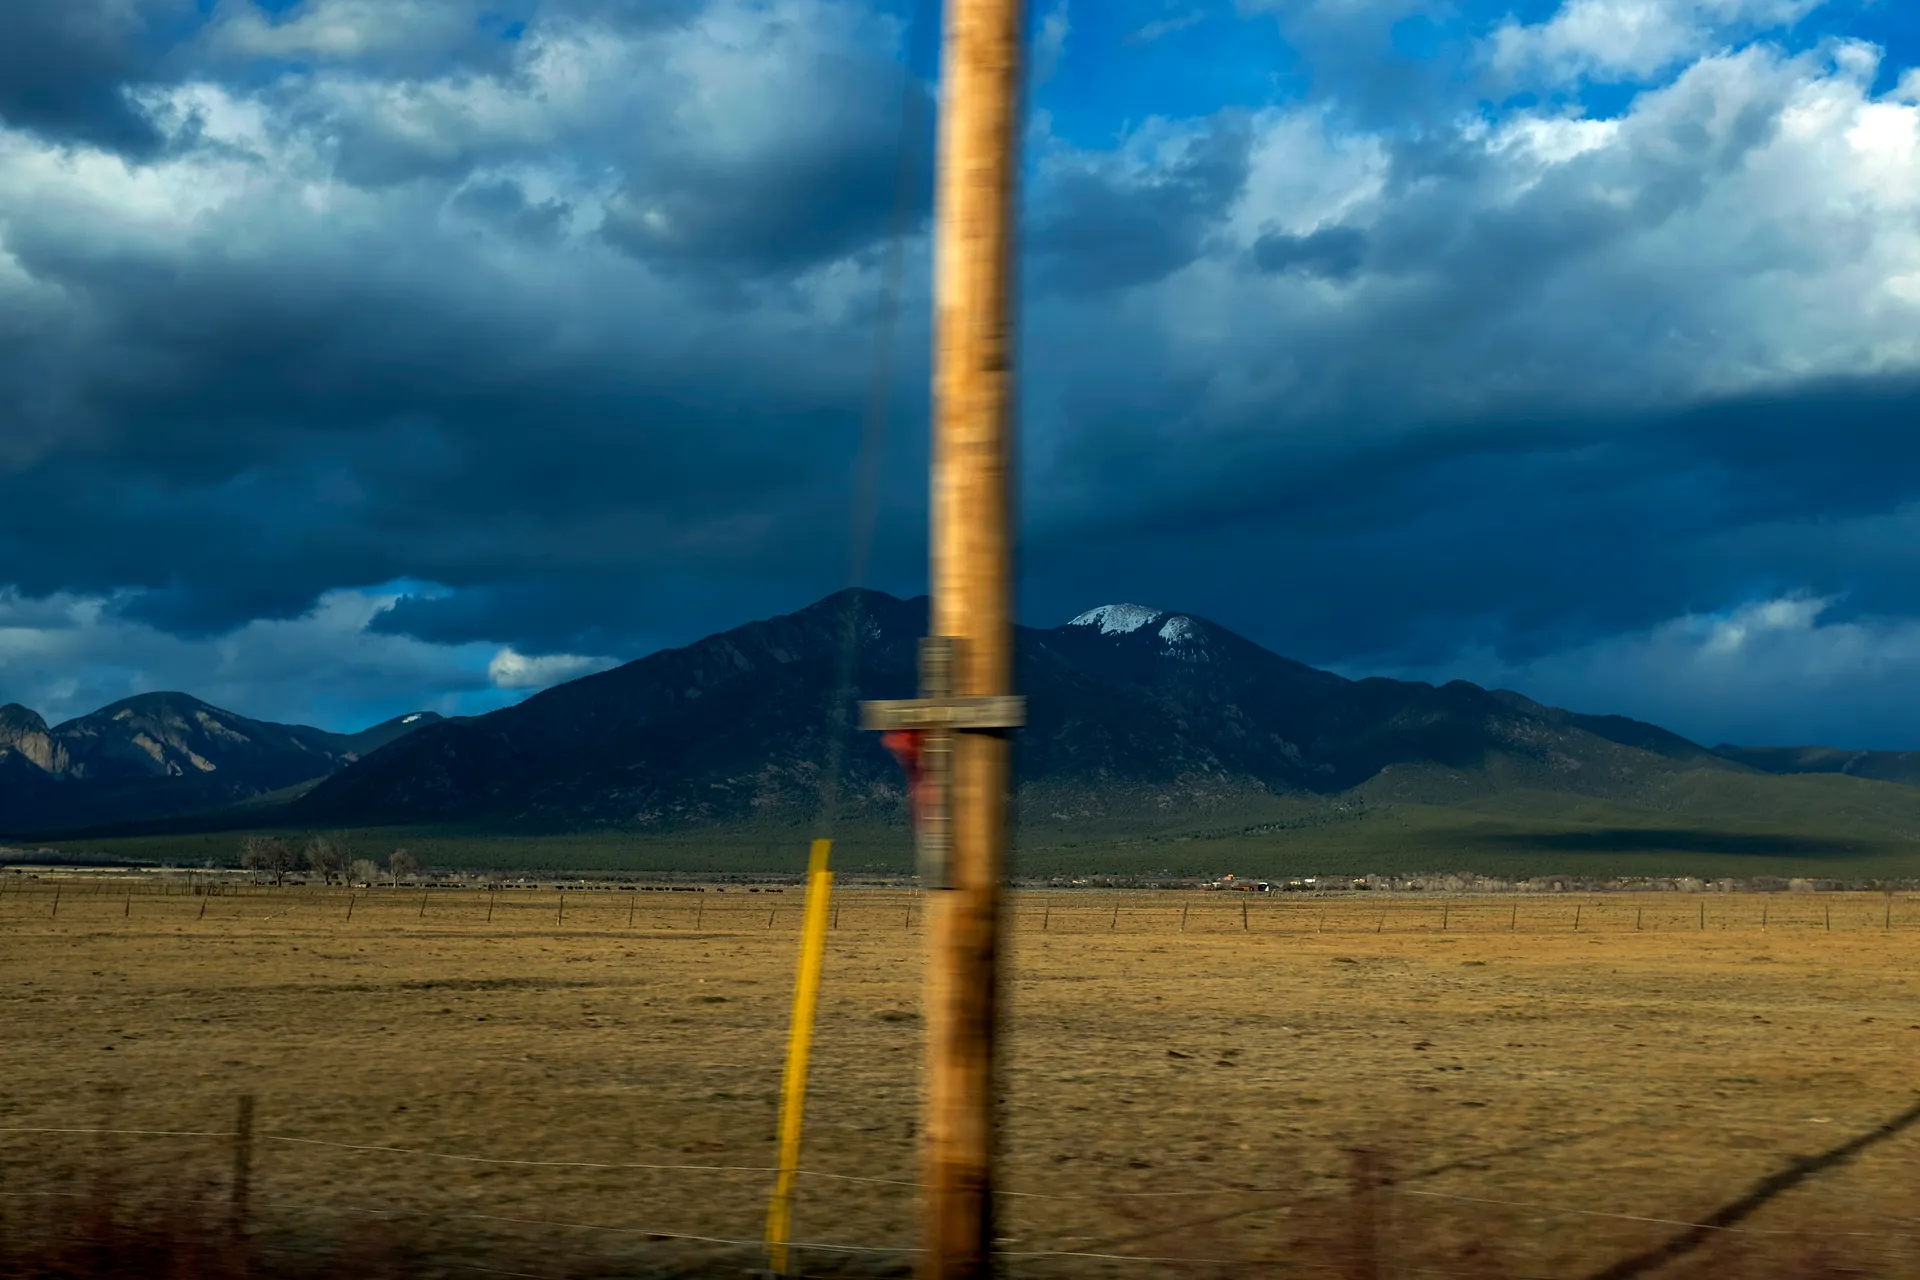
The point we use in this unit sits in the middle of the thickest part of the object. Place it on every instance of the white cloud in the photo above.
(67, 655)
(1160, 28)
(342, 29)
(1721, 676)
(1753, 225)
(1630, 39)
(1729, 638)
(511, 670)
(1050, 44)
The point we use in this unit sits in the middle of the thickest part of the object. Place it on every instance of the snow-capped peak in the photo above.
(410, 719)
(1118, 619)
(1178, 629)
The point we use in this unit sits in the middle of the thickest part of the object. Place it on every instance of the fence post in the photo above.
(699, 907)
(242, 1168)
(129, 907)
(1829, 917)
(423, 902)
(1243, 915)
(55, 913)
(1513, 925)
(1576, 917)
(1046, 917)
(1183, 916)
(1116, 919)
(203, 905)
(770, 917)
(631, 902)
(560, 911)
(1636, 919)
(1889, 925)
(350, 898)
(1444, 913)
(490, 893)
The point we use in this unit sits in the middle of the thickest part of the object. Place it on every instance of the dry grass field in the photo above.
(1197, 1082)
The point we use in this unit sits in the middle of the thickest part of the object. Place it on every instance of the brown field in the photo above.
(1189, 1078)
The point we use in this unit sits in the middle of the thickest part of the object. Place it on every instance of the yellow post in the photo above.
(793, 1093)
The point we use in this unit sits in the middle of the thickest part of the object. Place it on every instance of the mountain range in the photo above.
(158, 754)
(1133, 711)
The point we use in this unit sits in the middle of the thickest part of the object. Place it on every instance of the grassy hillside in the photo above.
(1708, 822)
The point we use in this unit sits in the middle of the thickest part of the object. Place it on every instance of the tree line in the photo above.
(329, 857)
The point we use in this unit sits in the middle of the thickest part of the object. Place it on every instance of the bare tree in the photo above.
(364, 871)
(401, 865)
(256, 854)
(270, 855)
(327, 857)
(284, 859)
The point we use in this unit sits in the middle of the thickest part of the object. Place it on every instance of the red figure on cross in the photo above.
(906, 745)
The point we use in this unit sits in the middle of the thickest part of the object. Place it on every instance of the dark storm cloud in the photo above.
(67, 67)
(827, 192)
(1333, 253)
(1102, 223)
(428, 474)
(504, 203)
(555, 613)
(1530, 538)
(724, 159)
(446, 375)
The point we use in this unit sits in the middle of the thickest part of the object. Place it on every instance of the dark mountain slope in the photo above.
(1628, 733)
(1883, 766)
(1128, 706)
(724, 728)
(368, 741)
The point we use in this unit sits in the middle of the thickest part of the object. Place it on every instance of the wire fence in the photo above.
(608, 907)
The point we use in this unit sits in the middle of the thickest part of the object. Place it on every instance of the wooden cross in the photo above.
(937, 714)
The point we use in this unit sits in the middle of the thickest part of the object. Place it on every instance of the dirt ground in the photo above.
(1189, 1075)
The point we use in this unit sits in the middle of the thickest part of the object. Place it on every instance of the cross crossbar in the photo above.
(936, 716)
(1001, 711)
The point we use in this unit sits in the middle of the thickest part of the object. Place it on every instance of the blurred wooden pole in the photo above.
(972, 603)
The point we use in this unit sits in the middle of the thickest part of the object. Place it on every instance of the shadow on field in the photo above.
(1762, 1192)
(104, 1240)
(1355, 1236)
(1675, 840)
(1358, 1231)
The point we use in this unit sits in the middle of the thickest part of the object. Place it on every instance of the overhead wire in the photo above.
(873, 436)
